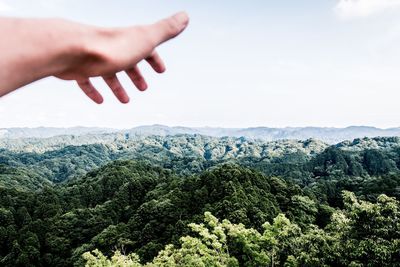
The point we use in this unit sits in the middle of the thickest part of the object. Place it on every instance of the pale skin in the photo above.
(31, 49)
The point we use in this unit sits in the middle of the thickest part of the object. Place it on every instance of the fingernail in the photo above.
(182, 18)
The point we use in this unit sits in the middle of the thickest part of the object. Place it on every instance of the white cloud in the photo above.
(4, 7)
(364, 8)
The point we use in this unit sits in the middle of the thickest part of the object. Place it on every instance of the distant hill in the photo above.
(46, 132)
(328, 135)
(33, 163)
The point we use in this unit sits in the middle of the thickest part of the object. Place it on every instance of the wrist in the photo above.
(37, 48)
(71, 44)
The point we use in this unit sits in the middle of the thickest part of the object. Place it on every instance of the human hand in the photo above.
(107, 51)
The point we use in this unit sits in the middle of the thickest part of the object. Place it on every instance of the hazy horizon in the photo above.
(215, 127)
(238, 65)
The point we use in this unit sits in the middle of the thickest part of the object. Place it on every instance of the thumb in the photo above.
(169, 28)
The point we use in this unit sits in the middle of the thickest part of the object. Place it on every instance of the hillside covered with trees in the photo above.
(327, 134)
(191, 200)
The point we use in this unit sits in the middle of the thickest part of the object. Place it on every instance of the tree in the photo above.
(368, 233)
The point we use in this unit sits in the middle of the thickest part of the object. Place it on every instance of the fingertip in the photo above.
(156, 62)
(135, 75)
(99, 101)
(182, 18)
(143, 87)
(170, 27)
(161, 69)
(88, 88)
(116, 87)
(125, 100)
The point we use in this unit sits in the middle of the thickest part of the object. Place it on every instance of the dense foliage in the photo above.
(277, 203)
(363, 234)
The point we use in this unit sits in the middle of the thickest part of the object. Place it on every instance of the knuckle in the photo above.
(147, 38)
(83, 82)
(172, 26)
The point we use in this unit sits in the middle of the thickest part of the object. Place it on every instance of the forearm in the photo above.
(32, 49)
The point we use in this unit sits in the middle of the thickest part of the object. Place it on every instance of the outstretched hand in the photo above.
(113, 50)
(38, 48)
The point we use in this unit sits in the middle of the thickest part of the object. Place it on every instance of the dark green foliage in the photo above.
(34, 170)
(59, 204)
(135, 206)
(363, 234)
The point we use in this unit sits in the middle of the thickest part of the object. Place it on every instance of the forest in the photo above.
(192, 200)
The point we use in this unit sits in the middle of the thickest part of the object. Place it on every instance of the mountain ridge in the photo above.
(326, 134)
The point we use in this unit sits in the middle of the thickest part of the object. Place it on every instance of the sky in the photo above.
(330, 63)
